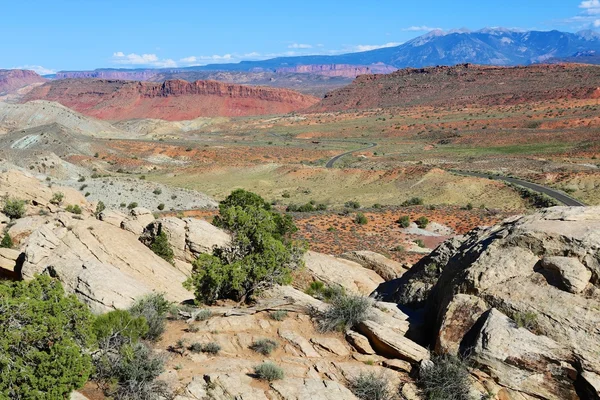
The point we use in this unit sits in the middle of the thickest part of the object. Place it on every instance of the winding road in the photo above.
(336, 158)
(555, 194)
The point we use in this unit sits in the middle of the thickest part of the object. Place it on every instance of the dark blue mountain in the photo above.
(490, 46)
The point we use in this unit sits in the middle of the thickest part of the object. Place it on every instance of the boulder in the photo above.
(542, 270)
(112, 217)
(459, 316)
(572, 273)
(348, 274)
(359, 342)
(137, 220)
(188, 237)
(8, 258)
(24, 227)
(521, 360)
(106, 267)
(388, 342)
(386, 268)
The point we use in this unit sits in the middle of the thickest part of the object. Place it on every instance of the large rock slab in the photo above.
(348, 274)
(390, 343)
(188, 237)
(103, 265)
(314, 389)
(523, 361)
(386, 268)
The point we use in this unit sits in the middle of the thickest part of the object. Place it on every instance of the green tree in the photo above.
(261, 253)
(6, 242)
(44, 337)
(422, 222)
(99, 208)
(14, 208)
(161, 247)
(404, 221)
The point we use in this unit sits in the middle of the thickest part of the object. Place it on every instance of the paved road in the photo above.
(334, 159)
(555, 194)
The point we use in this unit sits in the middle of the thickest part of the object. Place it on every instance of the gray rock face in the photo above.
(386, 268)
(335, 271)
(188, 237)
(105, 266)
(542, 270)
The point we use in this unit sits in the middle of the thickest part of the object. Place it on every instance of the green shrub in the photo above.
(73, 209)
(57, 198)
(319, 290)
(132, 205)
(344, 312)
(14, 208)
(161, 206)
(161, 247)
(203, 315)
(118, 327)
(195, 347)
(99, 208)
(352, 204)
(154, 308)
(269, 372)
(361, 219)
(527, 320)
(278, 315)
(447, 379)
(469, 206)
(157, 191)
(136, 373)
(6, 242)
(404, 221)
(415, 201)
(211, 348)
(260, 254)
(371, 386)
(264, 346)
(45, 337)
(422, 222)
(420, 243)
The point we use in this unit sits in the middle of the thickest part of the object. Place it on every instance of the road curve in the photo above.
(555, 194)
(336, 158)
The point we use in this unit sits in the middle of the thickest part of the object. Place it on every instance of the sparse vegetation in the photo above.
(132, 205)
(446, 379)
(57, 198)
(404, 221)
(203, 315)
(154, 308)
(14, 208)
(74, 209)
(264, 346)
(352, 204)
(371, 386)
(527, 320)
(269, 372)
(422, 222)
(415, 201)
(6, 242)
(319, 290)
(278, 315)
(211, 348)
(361, 219)
(344, 312)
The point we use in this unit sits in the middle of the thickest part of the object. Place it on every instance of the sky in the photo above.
(49, 36)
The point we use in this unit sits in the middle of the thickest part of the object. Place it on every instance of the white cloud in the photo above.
(591, 7)
(37, 69)
(367, 47)
(422, 28)
(151, 60)
(299, 46)
(597, 23)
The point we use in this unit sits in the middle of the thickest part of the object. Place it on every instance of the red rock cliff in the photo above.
(14, 79)
(170, 100)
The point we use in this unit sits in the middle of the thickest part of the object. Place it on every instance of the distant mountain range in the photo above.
(489, 46)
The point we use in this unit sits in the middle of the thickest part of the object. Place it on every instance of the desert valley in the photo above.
(397, 223)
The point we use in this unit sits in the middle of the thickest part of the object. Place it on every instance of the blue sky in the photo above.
(85, 34)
